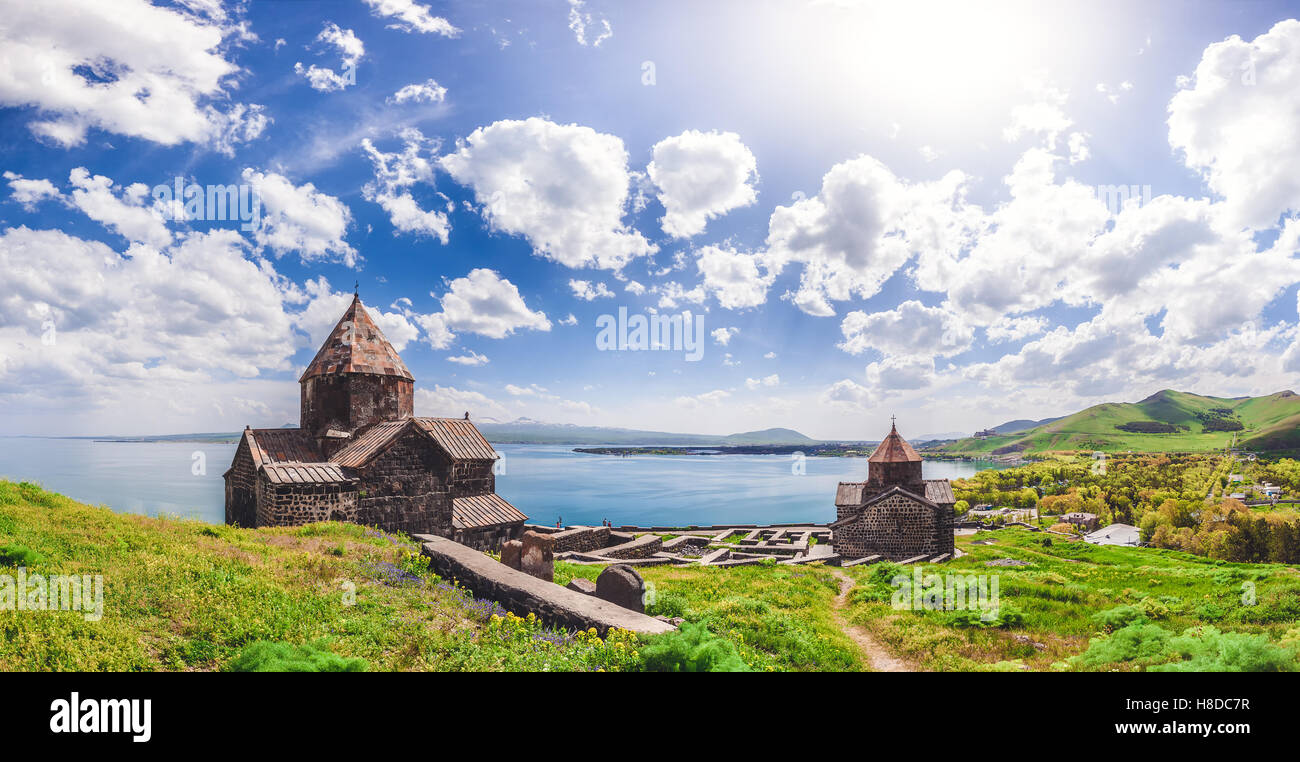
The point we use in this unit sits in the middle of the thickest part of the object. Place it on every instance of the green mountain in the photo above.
(1021, 424)
(1167, 421)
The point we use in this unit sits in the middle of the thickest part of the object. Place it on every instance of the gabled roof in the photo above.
(361, 449)
(461, 439)
(939, 491)
(476, 511)
(894, 449)
(304, 473)
(872, 501)
(849, 493)
(281, 446)
(356, 345)
(852, 493)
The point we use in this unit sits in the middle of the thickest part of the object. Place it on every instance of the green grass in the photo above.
(1270, 423)
(1067, 594)
(183, 595)
(778, 617)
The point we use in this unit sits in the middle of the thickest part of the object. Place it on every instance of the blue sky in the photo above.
(874, 208)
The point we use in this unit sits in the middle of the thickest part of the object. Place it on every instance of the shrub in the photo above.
(1006, 615)
(1120, 616)
(268, 656)
(15, 554)
(691, 649)
(1205, 649)
(1139, 642)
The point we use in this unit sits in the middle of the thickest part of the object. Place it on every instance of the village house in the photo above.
(1085, 521)
(895, 513)
(360, 454)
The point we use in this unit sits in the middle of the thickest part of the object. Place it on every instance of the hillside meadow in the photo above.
(185, 595)
(1167, 421)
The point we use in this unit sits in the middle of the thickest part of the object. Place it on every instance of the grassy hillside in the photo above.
(1073, 606)
(184, 595)
(1167, 421)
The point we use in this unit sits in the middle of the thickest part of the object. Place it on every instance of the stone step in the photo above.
(864, 560)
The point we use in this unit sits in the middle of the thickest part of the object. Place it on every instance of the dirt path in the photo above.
(879, 659)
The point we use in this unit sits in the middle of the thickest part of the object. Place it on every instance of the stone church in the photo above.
(895, 513)
(361, 455)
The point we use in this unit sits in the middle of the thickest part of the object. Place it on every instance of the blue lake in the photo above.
(547, 482)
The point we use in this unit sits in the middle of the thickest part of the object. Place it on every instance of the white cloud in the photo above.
(129, 67)
(129, 215)
(1238, 123)
(588, 291)
(29, 193)
(579, 407)
(580, 22)
(1078, 145)
(563, 187)
(395, 175)
(1042, 117)
(410, 16)
(301, 218)
(738, 280)
(900, 373)
(673, 293)
(472, 359)
(754, 383)
(450, 402)
(570, 320)
(1015, 329)
(723, 335)
(428, 91)
(483, 303)
(848, 393)
(909, 330)
(350, 50)
(141, 326)
(634, 288)
(701, 175)
(861, 227)
(707, 399)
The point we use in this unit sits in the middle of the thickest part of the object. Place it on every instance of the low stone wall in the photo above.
(644, 546)
(524, 594)
(581, 539)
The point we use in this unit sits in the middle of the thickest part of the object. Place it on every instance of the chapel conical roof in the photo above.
(894, 449)
(356, 345)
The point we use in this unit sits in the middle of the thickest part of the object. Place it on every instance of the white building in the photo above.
(1115, 534)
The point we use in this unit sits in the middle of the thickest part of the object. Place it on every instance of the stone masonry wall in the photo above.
(404, 489)
(295, 504)
(241, 489)
(352, 401)
(581, 539)
(897, 528)
(489, 538)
